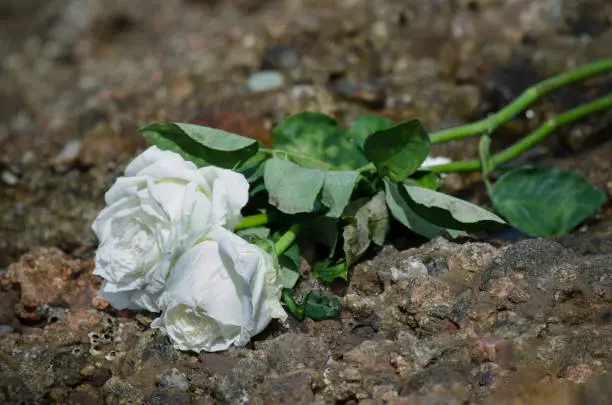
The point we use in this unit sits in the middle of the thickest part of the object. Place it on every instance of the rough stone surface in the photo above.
(481, 325)
(47, 277)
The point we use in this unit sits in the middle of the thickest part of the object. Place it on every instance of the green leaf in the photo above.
(425, 178)
(545, 201)
(253, 168)
(287, 299)
(291, 188)
(399, 151)
(396, 202)
(366, 125)
(202, 145)
(252, 234)
(378, 219)
(189, 149)
(319, 307)
(449, 212)
(317, 141)
(327, 271)
(356, 235)
(313, 306)
(370, 224)
(323, 230)
(337, 191)
(289, 263)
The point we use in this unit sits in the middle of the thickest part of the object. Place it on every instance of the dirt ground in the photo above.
(526, 322)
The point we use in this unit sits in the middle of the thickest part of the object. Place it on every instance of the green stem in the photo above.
(295, 309)
(530, 140)
(287, 239)
(252, 221)
(489, 124)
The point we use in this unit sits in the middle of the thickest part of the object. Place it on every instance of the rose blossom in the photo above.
(221, 292)
(160, 208)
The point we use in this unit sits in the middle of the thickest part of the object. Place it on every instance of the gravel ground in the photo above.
(487, 322)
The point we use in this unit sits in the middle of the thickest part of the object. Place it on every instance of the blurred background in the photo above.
(79, 77)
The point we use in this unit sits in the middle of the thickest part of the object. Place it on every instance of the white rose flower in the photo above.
(160, 208)
(221, 292)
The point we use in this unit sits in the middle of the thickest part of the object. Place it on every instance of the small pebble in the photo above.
(281, 57)
(265, 81)
(9, 178)
(69, 153)
(173, 379)
(6, 329)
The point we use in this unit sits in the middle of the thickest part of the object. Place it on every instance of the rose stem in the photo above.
(287, 239)
(540, 133)
(530, 95)
(252, 221)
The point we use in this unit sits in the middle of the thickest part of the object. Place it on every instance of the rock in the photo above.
(265, 81)
(292, 388)
(9, 178)
(120, 392)
(280, 57)
(173, 379)
(68, 155)
(165, 396)
(291, 350)
(47, 276)
(368, 90)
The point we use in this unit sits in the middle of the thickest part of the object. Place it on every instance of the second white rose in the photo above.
(221, 292)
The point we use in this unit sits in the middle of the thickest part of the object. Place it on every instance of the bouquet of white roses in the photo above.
(166, 244)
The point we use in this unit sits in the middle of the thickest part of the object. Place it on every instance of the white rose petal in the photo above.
(221, 292)
(159, 209)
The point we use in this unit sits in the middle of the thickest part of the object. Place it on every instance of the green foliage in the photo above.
(327, 271)
(317, 141)
(449, 212)
(319, 307)
(398, 151)
(323, 230)
(321, 178)
(291, 188)
(337, 191)
(545, 201)
(202, 145)
(366, 125)
(424, 178)
(368, 222)
(396, 201)
(313, 306)
(289, 262)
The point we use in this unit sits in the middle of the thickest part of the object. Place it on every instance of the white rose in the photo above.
(161, 208)
(221, 292)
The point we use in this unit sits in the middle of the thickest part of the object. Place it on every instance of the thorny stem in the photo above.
(530, 140)
(489, 124)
